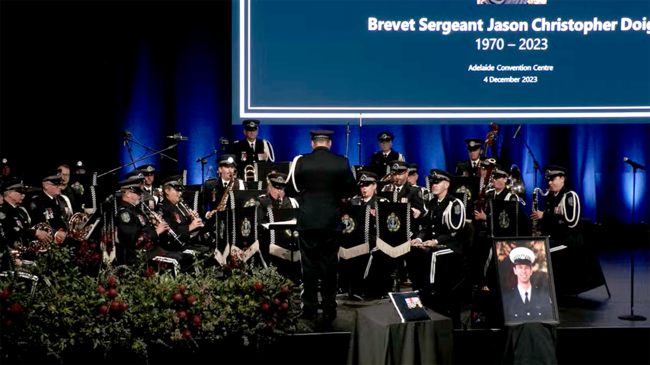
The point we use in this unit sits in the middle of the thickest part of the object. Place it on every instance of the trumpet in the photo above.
(155, 217)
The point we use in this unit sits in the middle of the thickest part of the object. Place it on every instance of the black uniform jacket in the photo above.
(132, 229)
(178, 221)
(438, 229)
(464, 168)
(43, 208)
(378, 158)
(322, 179)
(245, 155)
(16, 225)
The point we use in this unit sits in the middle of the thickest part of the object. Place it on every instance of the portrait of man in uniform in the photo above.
(527, 292)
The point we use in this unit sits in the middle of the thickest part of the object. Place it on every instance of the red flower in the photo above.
(177, 297)
(196, 320)
(9, 322)
(101, 289)
(96, 256)
(187, 334)
(92, 245)
(266, 307)
(16, 308)
(150, 271)
(277, 301)
(286, 289)
(182, 314)
(269, 324)
(103, 309)
(191, 299)
(112, 293)
(5, 294)
(259, 286)
(182, 288)
(124, 307)
(284, 306)
(112, 280)
(115, 305)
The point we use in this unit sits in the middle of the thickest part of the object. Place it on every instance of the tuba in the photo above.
(516, 182)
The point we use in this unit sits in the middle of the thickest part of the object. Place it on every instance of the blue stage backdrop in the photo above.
(182, 85)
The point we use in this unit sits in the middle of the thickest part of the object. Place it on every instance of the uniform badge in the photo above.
(2, 216)
(142, 221)
(393, 222)
(49, 213)
(404, 200)
(126, 218)
(348, 224)
(245, 227)
(32, 206)
(456, 209)
(243, 156)
(504, 220)
(177, 217)
(569, 200)
(19, 223)
(250, 203)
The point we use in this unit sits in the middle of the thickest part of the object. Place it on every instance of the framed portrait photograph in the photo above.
(525, 280)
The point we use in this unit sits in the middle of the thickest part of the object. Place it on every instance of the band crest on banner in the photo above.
(393, 223)
(348, 223)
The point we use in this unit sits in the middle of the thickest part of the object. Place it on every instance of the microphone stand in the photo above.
(632, 316)
(138, 160)
(203, 160)
(347, 140)
(532, 156)
(127, 140)
(359, 143)
(147, 148)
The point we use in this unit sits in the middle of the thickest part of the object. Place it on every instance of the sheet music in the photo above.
(289, 222)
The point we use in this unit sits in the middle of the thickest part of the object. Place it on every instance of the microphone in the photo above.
(177, 137)
(125, 136)
(517, 132)
(633, 164)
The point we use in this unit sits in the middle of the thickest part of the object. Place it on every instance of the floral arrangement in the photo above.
(138, 306)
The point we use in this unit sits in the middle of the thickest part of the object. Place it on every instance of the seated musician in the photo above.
(49, 206)
(471, 167)
(15, 222)
(499, 193)
(275, 197)
(561, 210)
(214, 189)
(184, 222)
(413, 180)
(442, 236)
(386, 155)
(368, 187)
(400, 191)
(135, 230)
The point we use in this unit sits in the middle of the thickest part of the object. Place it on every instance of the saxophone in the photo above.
(536, 192)
(224, 198)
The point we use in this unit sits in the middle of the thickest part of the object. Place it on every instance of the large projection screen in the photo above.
(441, 61)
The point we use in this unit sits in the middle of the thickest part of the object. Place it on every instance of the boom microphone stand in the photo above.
(532, 155)
(203, 160)
(632, 316)
(138, 160)
(359, 143)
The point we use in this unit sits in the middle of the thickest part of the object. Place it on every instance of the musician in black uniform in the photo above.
(15, 221)
(150, 195)
(400, 191)
(49, 206)
(275, 197)
(322, 179)
(73, 195)
(526, 302)
(561, 209)
(470, 167)
(386, 154)
(499, 193)
(251, 149)
(177, 214)
(214, 188)
(135, 230)
(443, 237)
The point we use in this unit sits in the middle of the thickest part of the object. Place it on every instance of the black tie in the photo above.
(527, 300)
(62, 205)
(253, 146)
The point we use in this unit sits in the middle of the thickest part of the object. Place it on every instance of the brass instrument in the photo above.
(536, 191)
(38, 246)
(77, 229)
(156, 218)
(224, 198)
(250, 172)
(516, 182)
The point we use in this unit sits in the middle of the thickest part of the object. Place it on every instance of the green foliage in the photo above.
(136, 307)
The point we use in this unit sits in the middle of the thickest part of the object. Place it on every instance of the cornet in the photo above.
(250, 172)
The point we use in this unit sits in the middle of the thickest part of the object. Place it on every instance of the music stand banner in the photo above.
(393, 222)
(355, 235)
(245, 243)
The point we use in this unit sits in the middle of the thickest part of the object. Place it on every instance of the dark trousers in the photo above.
(351, 273)
(319, 258)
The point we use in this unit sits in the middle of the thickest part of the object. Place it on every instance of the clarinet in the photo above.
(190, 213)
(536, 191)
(155, 217)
